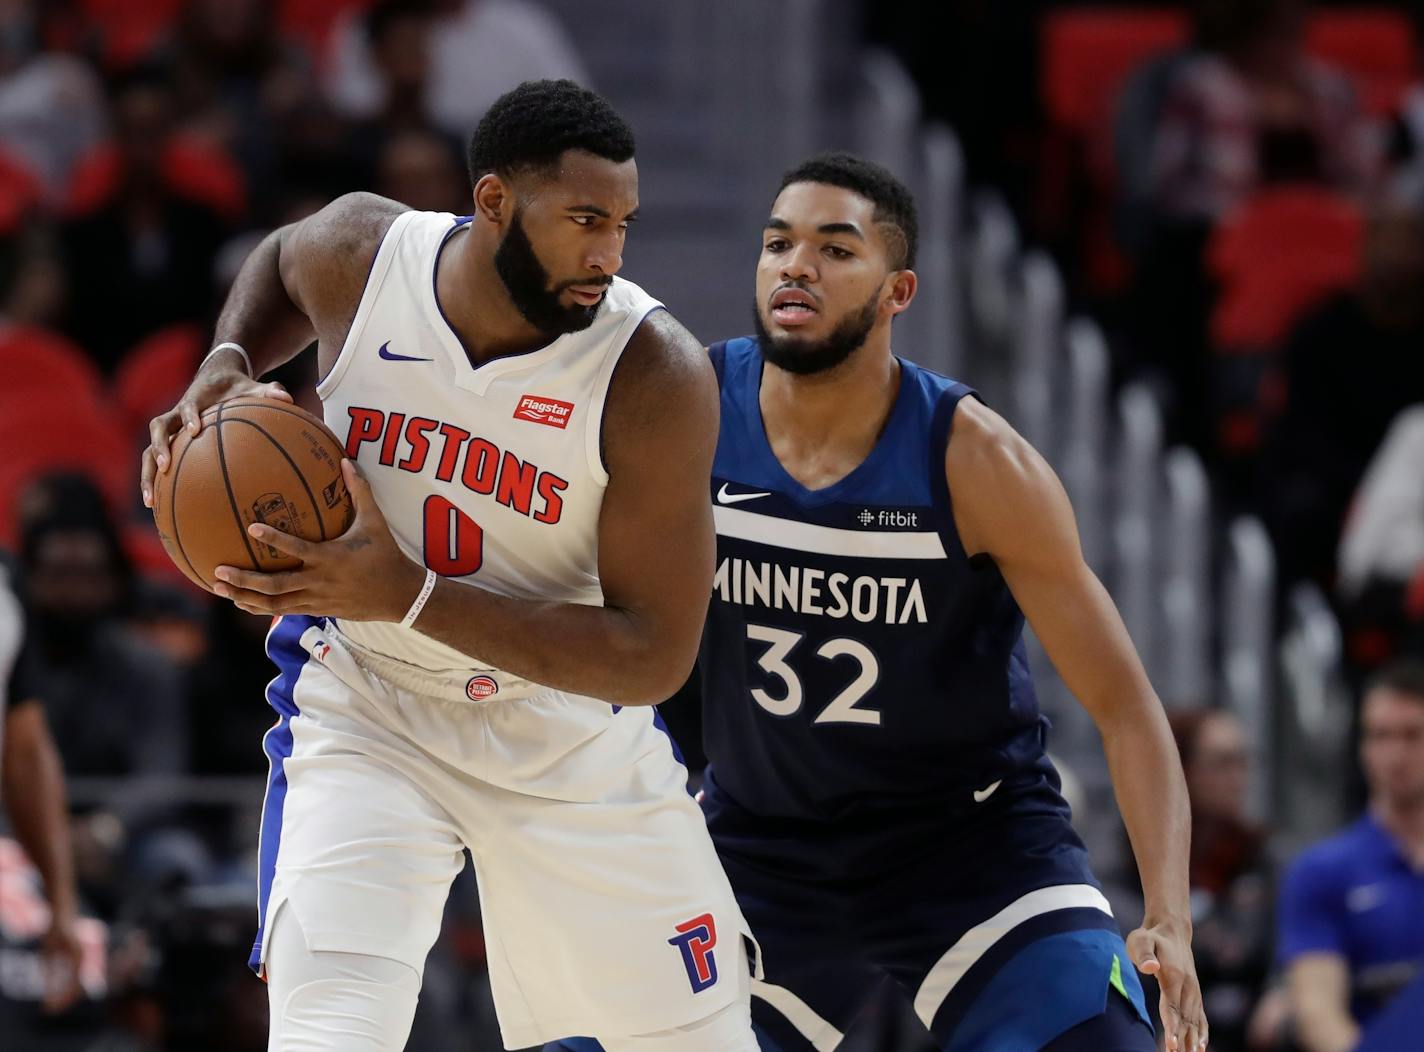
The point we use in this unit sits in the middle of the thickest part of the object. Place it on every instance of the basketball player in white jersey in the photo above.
(474, 663)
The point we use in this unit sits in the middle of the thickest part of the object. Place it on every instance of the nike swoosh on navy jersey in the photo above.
(980, 795)
(723, 497)
(391, 356)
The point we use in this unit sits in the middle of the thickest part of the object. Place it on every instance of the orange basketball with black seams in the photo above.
(255, 460)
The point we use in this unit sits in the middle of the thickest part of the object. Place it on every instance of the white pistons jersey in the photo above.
(491, 475)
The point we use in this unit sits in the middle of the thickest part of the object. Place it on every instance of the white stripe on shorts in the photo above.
(823, 1036)
(977, 941)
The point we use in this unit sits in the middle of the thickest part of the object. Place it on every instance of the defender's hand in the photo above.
(360, 576)
(1165, 951)
(215, 383)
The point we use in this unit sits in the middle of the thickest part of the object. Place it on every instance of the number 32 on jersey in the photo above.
(844, 708)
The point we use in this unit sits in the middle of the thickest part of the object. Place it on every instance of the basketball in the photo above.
(255, 460)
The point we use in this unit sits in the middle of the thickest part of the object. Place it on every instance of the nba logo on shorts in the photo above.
(695, 938)
(321, 650)
(481, 687)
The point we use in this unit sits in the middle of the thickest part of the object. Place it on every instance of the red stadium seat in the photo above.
(20, 192)
(311, 21)
(52, 433)
(1282, 253)
(1086, 56)
(129, 29)
(1376, 47)
(38, 363)
(154, 374)
(1089, 52)
(191, 168)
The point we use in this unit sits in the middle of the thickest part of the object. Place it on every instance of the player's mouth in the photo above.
(791, 307)
(587, 295)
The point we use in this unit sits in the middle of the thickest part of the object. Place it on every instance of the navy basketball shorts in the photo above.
(984, 913)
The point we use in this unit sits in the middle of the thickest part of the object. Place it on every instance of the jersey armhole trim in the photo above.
(375, 278)
(941, 427)
(598, 408)
(718, 353)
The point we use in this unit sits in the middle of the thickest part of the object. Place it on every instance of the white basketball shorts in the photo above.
(606, 910)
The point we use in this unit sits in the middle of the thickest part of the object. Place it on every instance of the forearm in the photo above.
(1152, 796)
(1323, 1028)
(39, 815)
(260, 315)
(602, 652)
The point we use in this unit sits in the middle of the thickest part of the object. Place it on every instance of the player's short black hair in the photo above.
(1403, 676)
(894, 204)
(530, 127)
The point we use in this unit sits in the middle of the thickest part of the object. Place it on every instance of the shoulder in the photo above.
(326, 257)
(1331, 862)
(352, 223)
(663, 387)
(983, 445)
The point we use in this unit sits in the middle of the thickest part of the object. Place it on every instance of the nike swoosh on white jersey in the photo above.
(723, 497)
(980, 795)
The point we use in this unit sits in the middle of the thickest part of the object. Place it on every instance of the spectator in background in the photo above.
(1252, 107)
(1231, 876)
(235, 76)
(142, 257)
(32, 279)
(1382, 550)
(479, 49)
(114, 705)
(419, 169)
(1350, 935)
(32, 790)
(1244, 107)
(402, 38)
(51, 104)
(1351, 367)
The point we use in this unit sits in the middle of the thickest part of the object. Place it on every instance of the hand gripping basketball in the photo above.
(218, 380)
(360, 576)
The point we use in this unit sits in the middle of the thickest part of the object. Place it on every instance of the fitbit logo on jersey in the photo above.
(695, 938)
(548, 411)
(415, 443)
(805, 590)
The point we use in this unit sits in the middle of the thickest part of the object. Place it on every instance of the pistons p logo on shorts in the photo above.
(695, 938)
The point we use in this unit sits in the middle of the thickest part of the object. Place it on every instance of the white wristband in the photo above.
(419, 604)
(246, 361)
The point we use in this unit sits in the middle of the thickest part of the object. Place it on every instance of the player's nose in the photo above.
(607, 257)
(799, 264)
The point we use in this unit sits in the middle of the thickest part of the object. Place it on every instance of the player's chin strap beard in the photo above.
(805, 357)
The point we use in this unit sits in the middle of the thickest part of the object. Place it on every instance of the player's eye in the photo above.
(776, 244)
(837, 252)
(584, 220)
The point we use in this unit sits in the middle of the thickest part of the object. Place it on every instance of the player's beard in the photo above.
(527, 283)
(803, 356)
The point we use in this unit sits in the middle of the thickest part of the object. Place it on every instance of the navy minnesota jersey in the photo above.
(855, 658)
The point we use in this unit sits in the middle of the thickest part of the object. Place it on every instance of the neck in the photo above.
(1404, 819)
(822, 425)
(475, 301)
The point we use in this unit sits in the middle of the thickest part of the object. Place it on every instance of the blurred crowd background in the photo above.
(1181, 246)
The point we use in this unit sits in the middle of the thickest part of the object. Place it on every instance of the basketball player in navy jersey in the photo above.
(877, 786)
(474, 663)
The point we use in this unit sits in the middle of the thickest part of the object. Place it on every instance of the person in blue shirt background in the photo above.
(1352, 908)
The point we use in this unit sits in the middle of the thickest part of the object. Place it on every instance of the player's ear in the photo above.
(492, 198)
(903, 284)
